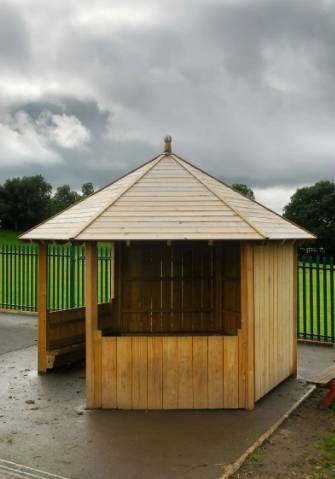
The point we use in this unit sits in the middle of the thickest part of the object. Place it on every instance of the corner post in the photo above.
(93, 359)
(294, 311)
(42, 306)
(247, 321)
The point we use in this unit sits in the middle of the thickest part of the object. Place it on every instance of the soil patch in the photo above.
(303, 447)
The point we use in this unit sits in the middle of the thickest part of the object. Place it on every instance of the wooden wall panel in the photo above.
(155, 372)
(215, 372)
(200, 372)
(108, 365)
(274, 314)
(179, 372)
(230, 372)
(124, 373)
(170, 372)
(139, 372)
(246, 339)
(185, 373)
(163, 288)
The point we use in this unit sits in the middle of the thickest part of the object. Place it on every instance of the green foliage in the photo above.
(9, 237)
(329, 447)
(87, 188)
(63, 198)
(24, 202)
(257, 456)
(314, 208)
(244, 190)
(27, 201)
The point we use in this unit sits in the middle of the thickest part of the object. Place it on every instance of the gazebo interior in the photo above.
(188, 287)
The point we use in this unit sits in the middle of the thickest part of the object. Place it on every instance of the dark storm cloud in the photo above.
(14, 37)
(246, 88)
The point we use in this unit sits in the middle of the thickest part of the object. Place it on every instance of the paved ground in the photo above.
(311, 359)
(17, 332)
(56, 434)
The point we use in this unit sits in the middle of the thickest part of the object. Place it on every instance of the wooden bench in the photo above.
(65, 355)
(326, 379)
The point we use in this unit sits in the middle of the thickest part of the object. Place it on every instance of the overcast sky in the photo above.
(246, 88)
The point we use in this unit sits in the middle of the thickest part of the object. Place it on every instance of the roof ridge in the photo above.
(102, 210)
(219, 196)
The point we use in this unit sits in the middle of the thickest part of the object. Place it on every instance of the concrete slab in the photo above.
(313, 358)
(56, 434)
(17, 331)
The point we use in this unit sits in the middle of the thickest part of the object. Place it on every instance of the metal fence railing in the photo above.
(66, 284)
(66, 280)
(315, 298)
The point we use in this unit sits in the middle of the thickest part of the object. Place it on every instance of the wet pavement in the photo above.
(43, 424)
(17, 331)
(312, 359)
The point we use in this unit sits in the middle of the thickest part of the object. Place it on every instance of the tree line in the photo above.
(26, 201)
(312, 207)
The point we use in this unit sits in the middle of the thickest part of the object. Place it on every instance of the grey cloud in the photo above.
(14, 38)
(245, 88)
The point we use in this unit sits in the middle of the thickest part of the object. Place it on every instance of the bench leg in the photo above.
(330, 396)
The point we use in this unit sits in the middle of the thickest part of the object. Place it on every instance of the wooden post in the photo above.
(247, 322)
(42, 307)
(294, 312)
(93, 336)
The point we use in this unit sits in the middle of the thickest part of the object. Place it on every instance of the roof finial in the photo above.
(167, 144)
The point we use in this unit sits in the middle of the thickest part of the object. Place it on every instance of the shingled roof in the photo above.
(167, 199)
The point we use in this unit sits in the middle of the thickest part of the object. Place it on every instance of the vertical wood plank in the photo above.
(170, 373)
(200, 372)
(124, 372)
(230, 374)
(294, 310)
(93, 392)
(275, 326)
(155, 372)
(97, 368)
(42, 306)
(185, 393)
(250, 311)
(108, 366)
(140, 372)
(242, 364)
(215, 372)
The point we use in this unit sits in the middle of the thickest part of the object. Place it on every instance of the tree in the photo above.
(314, 208)
(24, 202)
(63, 198)
(245, 190)
(87, 188)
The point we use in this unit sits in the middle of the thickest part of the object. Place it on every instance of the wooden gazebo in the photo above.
(202, 308)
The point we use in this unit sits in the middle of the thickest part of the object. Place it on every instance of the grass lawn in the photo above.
(9, 237)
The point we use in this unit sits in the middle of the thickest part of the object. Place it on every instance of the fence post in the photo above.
(72, 275)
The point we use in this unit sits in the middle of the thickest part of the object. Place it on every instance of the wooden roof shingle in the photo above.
(166, 199)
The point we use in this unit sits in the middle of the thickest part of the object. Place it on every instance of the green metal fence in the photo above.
(66, 281)
(66, 284)
(315, 301)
